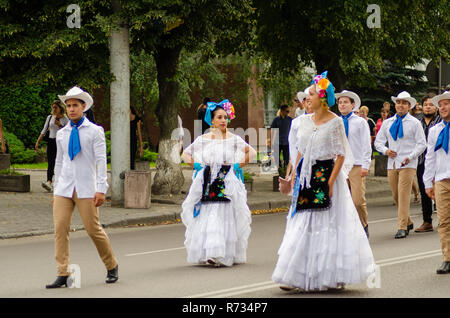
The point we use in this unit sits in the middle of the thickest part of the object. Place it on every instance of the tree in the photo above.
(335, 35)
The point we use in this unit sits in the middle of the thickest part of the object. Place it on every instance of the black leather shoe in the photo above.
(444, 269)
(401, 234)
(113, 275)
(59, 282)
(410, 227)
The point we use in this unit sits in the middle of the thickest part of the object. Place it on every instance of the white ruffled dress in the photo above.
(221, 230)
(323, 249)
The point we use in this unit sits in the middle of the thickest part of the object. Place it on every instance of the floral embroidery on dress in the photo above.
(215, 191)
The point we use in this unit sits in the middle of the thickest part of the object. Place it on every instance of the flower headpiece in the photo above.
(226, 105)
(324, 88)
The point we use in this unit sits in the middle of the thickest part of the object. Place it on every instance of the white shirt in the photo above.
(437, 163)
(86, 173)
(359, 140)
(299, 112)
(410, 146)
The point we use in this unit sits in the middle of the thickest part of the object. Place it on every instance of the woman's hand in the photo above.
(36, 146)
(330, 189)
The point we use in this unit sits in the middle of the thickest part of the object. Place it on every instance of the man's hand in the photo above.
(405, 162)
(99, 199)
(391, 153)
(364, 172)
(430, 193)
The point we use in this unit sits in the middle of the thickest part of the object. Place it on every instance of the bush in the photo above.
(17, 150)
(24, 110)
(147, 155)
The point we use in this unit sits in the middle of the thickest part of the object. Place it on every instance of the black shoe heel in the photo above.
(59, 282)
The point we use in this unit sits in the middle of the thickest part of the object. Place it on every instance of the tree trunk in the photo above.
(120, 107)
(169, 176)
(330, 63)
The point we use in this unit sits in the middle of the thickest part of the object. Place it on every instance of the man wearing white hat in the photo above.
(437, 171)
(81, 180)
(358, 134)
(406, 141)
(292, 138)
(300, 103)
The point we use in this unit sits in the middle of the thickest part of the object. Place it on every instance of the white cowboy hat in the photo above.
(306, 91)
(301, 96)
(78, 93)
(351, 95)
(405, 96)
(435, 100)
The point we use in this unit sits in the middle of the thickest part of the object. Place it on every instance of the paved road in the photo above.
(153, 264)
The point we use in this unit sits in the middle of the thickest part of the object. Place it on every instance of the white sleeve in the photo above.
(100, 160)
(367, 145)
(430, 161)
(381, 139)
(421, 143)
(58, 160)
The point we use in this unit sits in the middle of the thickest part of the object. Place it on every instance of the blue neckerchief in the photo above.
(396, 129)
(443, 138)
(345, 119)
(211, 106)
(238, 171)
(74, 141)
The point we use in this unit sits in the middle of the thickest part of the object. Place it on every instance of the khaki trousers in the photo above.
(62, 214)
(400, 181)
(358, 190)
(442, 195)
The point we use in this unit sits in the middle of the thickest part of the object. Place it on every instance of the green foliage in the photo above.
(10, 172)
(335, 36)
(148, 156)
(248, 177)
(17, 150)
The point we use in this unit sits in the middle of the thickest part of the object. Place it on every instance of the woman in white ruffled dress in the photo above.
(215, 211)
(324, 245)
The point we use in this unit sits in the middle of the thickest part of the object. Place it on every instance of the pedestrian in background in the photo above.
(54, 122)
(283, 124)
(2, 137)
(299, 103)
(430, 118)
(437, 174)
(80, 180)
(384, 116)
(201, 112)
(405, 142)
(135, 126)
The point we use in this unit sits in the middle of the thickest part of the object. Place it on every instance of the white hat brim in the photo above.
(436, 99)
(351, 95)
(83, 96)
(412, 101)
(301, 96)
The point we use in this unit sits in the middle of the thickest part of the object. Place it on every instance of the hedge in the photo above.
(17, 150)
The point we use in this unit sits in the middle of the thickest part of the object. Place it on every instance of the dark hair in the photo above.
(283, 107)
(213, 113)
(133, 111)
(427, 96)
(58, 103)
(351, 99)
(206, 100)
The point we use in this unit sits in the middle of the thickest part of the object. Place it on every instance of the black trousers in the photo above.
(51, 157)
(427, 204)
(285, 150)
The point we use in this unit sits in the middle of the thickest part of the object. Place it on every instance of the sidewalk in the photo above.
(27, 214)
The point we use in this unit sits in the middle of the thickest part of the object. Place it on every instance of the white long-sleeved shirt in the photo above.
(87, 172)
(292, 139)
(359, 140)
(410, 146)
(437, 163)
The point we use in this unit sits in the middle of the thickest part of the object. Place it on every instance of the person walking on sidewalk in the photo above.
(437, 172)
(215, 211)
(2, 138)
(80, 180)
(406, 141)
(358, 134)
(283, 123)
(54, 122)
(429, 119)
(324, 245)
